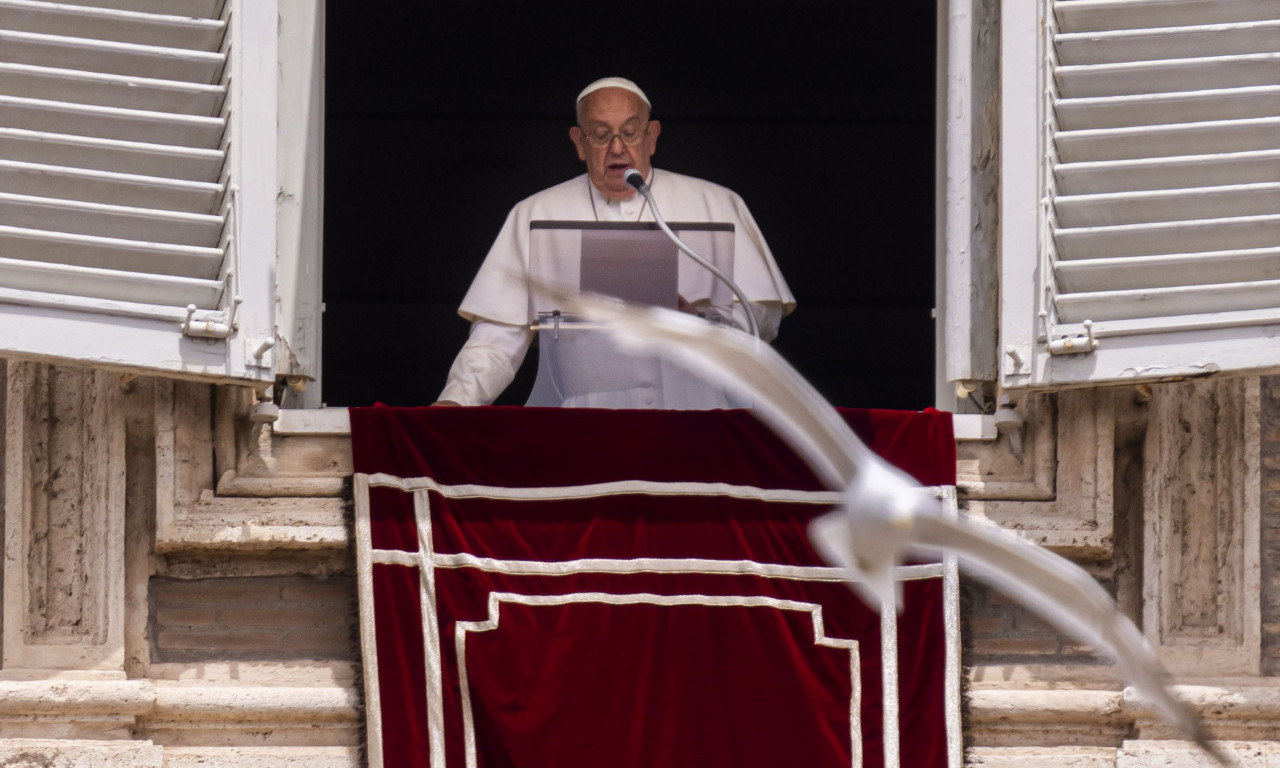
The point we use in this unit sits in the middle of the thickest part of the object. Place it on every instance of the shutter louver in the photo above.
(1160, 206)
(111, 152)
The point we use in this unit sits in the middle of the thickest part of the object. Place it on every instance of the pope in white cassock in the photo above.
(613, 133)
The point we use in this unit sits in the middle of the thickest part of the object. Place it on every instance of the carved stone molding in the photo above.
(990, 470)
(1203, 505)
(1082, 718)
(54, 720)
(1041, 757)
(226, 484)
(1059, 491)
(198, 714)
(64, 519)
(1087, 724)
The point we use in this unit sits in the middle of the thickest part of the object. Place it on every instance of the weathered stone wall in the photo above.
(1271, 526)
(1002, 632)
(214, 624)
(1190, 506)
(177, 586)
(263, 619)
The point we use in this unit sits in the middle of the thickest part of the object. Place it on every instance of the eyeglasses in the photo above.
(630, 135)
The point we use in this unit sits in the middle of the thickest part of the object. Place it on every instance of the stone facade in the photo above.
(178, 591)
(177, 586)
(1271, 526)
(1178, 485)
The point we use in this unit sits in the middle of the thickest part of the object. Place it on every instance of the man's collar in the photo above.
(599, 198)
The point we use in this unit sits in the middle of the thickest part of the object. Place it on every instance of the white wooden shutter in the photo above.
(137, 184)
(1141, 189)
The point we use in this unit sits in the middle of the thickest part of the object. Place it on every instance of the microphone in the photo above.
(636, 179)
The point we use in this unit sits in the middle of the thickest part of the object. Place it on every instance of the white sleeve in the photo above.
(487, 363)
(768, 315)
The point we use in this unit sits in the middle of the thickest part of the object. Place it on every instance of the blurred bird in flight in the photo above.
(885, 517)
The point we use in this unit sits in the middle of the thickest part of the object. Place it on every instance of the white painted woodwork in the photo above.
(1114, 46)
(1168, 173)
(106, 284)
(140, 171)
(87, 22)
(200, 8)
(112, 155)
(300, 202)
(109, 252)
(105, 89)
(1166, 108)
(113, 221)
(1131, 273)
(1141, 183)
(94, 101)
(147, 126)
(1139, 14)
(109, 187)
(124, 59)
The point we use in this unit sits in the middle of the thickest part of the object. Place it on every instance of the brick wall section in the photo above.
(1270, 525)
(272, 618)
(999, 631)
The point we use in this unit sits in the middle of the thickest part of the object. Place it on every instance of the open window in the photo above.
(154, 192)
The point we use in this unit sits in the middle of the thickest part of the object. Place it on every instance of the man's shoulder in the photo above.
(565, 189)
(685, 183)
(678, 186)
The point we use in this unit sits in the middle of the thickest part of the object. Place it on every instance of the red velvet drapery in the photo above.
(630, 588)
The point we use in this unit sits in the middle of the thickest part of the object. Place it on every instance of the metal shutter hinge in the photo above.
(1071, 343)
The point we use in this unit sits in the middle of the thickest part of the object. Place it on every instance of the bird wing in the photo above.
(884, 514)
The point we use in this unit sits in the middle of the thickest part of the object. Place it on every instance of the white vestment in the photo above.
(497, 303)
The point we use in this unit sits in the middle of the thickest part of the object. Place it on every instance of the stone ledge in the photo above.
(76, 698)
(202, 702)
(253, 537)
(262, 757)
(219, 523)
(1148, 753)
(200, 717)
(65, 753)
(179, 700)
(1041, 757)
(1057, 718)
(233, 485)
(1066, 717)
(1061, 706)
(90, 753)
(313, 421)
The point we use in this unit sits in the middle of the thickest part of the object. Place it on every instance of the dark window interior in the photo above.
(442, 114)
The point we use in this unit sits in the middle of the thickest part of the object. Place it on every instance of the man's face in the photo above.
(611, 115)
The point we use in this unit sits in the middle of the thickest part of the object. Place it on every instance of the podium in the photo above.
(581, 366)
(579, 363)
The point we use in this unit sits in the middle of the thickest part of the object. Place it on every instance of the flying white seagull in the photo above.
(884, 516)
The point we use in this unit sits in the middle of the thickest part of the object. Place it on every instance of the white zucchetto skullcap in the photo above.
(614, 82)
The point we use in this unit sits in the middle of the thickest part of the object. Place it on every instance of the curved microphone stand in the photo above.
(633, 177)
